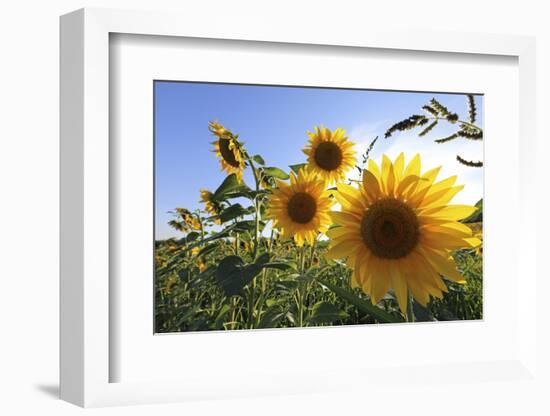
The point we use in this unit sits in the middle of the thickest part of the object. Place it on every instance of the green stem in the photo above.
(312, 253)
(301, 287)
(410, 313)
(466, 123)
(257, 206)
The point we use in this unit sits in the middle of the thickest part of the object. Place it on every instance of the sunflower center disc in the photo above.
(301, 207)
(328, 156)
(227, 153)
(390, 229)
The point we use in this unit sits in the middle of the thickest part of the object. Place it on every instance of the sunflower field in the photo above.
(305, 245)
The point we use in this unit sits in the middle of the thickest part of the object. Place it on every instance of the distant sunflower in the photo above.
(397, 231)
(211, 206)
(188, 221)
(227, 149)
(201, 264)
(477, 230)
(330, 154)
(300, 209)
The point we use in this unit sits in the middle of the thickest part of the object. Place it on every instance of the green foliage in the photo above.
(437, 112)
(471, 163)
(363, 305)
(472, 111)
(276, 173)
(230, 188)
(326, 313)
(296, 168)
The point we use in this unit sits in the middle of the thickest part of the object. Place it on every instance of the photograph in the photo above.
(297, 206)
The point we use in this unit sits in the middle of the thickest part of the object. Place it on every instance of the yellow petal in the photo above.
(413, 168)
(348, 196)
(442, 241)
(399, 285)
(373, 168)
(371, 185)
(344, 218)
(453, 212)
(341, 249)
(380, 281)
(444, 264)
(390, 181)
(405, 184)
(441, 197)
(398, 166)
(386, 163)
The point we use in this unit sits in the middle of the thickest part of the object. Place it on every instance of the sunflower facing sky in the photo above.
(330, 154)
(398, 231)
(227, 150)
(301, 209)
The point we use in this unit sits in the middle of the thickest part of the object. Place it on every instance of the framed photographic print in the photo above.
(279, 236)
(274, 214)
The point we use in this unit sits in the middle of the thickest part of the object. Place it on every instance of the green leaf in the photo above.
(326, 313)
(240, 226)
(243, 226)
(208, 249)
(285, 286)
(477, 216)
(278, 265)
(296, 168)
(363, 305)
(472, 111)
(258, 159)
(233, 274)
(428, 129)
(192, 236)
(218, 324)
(421, 313)
(232, 212)
(271, 317)
(276, 173)
(230, 186)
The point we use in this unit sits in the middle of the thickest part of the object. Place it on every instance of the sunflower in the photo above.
(477, 230)
(228, 150)
(188, 222)
(201, 265)
(211, 206)
(300, 209)
(330, 154)
(398, 231)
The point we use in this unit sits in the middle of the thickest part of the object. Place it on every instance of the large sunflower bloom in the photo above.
(300, 209)
(397, 231)
(330, 154)
(211, 206)
(227, 149)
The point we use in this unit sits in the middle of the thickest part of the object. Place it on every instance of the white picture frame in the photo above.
(86, 356)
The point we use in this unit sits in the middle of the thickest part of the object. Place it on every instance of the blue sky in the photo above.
(273, 121)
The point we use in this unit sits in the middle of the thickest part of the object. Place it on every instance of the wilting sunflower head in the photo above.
(228, 150)
(300, 209)
(330, 154)
(217, 129)
(398, 230)
(210, 205)
(188, 220)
